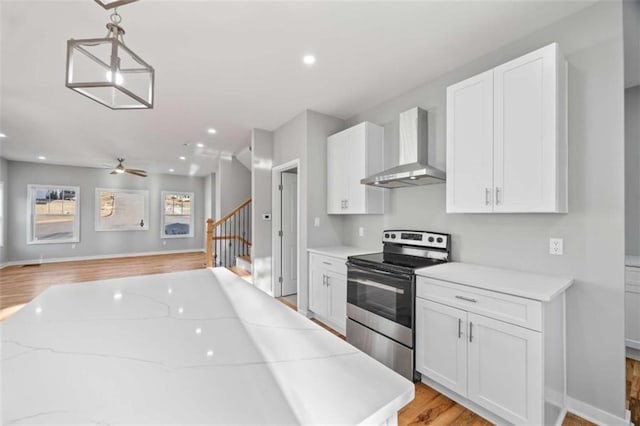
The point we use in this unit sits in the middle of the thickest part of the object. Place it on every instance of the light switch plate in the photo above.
(316, 222)
(361, 231)
(556, 246)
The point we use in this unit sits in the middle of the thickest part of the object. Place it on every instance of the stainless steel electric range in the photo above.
(381, 295)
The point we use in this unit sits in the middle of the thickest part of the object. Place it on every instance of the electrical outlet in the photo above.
(164, 243)
(73, 246)
(361, 231)
(316, 222)
(556, 246)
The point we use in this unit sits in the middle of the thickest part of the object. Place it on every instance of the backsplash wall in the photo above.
(593, 231)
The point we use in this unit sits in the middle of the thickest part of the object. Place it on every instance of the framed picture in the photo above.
(176, 219)
(122, 210)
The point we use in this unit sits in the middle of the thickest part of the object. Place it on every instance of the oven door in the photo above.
(386, 294)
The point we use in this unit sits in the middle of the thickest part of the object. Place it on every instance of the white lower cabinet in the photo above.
(632, 307)
(489, 362)
(328, 291)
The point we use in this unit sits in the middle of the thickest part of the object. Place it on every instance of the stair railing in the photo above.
(229, 236)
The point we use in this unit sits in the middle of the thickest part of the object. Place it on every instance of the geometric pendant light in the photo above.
(107, 71)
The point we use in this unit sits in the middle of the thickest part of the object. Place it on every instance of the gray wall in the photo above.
(632, 170)
(4, 177)
(304, 137)
(261, 163)
(94, 243)
(593, 231)
(232, 185)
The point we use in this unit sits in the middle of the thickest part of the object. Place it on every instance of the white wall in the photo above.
(261, 163)
(94, 243)
(232, 185)
(593, 231)
(4, 177)
(632, 170)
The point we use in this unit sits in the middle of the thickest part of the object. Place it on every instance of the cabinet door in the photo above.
(337, 301)
(632, 316)
(337, 169)
(470, 145)
(441, 345)
(317, 291)
(505, 369)
(356, 169)
(526, 133)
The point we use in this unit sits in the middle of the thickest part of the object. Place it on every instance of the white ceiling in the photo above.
(233, 66)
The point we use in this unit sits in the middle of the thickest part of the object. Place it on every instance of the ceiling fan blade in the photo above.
(140, 173)
(113, 172)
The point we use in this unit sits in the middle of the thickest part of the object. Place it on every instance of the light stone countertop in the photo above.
(196, 347)
(523, 284)
(342, 252)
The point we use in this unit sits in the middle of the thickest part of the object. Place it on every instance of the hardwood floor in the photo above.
(633, 390)
(20, 284)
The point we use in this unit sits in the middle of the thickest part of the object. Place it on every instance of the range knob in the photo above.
(439, 239)
(430, 239)
(393, 236)
(386, 235)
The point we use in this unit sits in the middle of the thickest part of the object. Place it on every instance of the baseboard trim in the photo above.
(633, 353)
(4, 265)
(98, 257)
(596, 415)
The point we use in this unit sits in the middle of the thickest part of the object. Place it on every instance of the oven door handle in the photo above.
(378, 285)
(378, 271)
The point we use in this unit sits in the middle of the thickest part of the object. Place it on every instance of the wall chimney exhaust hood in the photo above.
(413, 169)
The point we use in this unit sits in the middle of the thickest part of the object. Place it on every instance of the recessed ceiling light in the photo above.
(200, 145)
(309, 59)
(2, 135)
(41, 157)
(182, 157)
(171, 170)
(212, 131)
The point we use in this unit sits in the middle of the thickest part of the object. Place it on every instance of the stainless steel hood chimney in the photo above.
(413, 169)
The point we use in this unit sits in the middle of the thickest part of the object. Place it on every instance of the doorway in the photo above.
(286, 212)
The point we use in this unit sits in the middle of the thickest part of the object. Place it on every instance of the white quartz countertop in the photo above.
(632, 261)
(523, 284)
(341, 252)
(198, 347)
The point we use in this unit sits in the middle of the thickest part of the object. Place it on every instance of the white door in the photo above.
(337, 301)
(525, 132)
(505, 370)
(317, 291)
(632, 316)
(289, 228)
(470, 145)
(441, 345)
(337, 172)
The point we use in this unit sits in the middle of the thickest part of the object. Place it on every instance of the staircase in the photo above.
(229, 241)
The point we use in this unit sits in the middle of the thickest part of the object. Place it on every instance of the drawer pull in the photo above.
(467, 299)
(328, 263)
(470, 332)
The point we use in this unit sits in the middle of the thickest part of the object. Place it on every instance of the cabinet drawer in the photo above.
(632, 278)
(514, 310)
(329, 263)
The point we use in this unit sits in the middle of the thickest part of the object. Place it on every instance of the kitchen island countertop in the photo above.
(197, 347)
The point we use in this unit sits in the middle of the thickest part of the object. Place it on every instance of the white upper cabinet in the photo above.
(506, 138)
(352, 155)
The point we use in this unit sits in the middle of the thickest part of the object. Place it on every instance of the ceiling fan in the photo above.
(119, 169)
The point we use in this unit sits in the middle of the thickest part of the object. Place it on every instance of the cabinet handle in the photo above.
(459, 328)
(470, 332)
(328, 263)
(467, 299)
(498, 195)
(324, 279)
(487, 196)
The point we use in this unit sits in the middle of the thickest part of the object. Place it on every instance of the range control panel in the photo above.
(416, 238)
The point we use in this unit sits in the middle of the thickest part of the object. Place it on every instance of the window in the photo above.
(54, 214)
(177, 215)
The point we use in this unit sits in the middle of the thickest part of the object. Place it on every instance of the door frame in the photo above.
(276, 218)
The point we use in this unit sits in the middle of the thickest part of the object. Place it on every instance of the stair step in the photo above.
(239, 271)
(245, 258)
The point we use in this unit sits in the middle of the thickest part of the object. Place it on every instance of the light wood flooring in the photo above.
(633, 390)
(20, 284)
